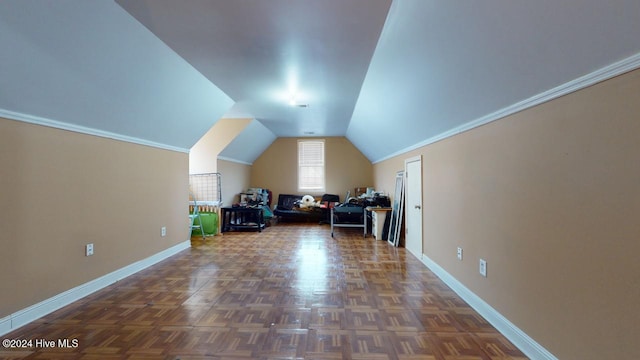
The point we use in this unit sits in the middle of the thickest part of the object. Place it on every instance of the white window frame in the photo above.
(309, 164)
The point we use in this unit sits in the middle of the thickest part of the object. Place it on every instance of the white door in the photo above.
(413, 205)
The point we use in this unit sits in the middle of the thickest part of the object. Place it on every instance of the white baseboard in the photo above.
(525, 343)
(36, 311)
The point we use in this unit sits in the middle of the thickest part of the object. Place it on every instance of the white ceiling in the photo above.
(90, 64)
(255, 134)
(257, 52)
(386, 75)
(442, 64)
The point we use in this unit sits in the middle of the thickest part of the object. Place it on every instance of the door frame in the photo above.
(419, 228)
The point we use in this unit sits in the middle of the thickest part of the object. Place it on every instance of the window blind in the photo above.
(311, 165)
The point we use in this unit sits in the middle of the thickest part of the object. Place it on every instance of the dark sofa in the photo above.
(288, 208)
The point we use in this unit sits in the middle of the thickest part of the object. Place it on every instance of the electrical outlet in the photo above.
(483, 267)
(88, 249)
(459, 253)
(163, 231)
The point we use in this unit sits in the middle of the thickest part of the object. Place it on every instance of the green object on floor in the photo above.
(209, 224)
(267, 213)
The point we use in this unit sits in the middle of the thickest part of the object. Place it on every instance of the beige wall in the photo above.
(277, 168)
(203, 156)
(235, 179)
(550, 198)
(385, 173)
(60, 190)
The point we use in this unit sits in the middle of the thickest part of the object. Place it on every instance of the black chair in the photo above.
(330, 198)
(326, 212)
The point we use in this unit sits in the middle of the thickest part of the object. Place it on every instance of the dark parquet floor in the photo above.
(290, 292)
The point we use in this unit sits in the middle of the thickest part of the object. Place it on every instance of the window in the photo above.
(311, 165)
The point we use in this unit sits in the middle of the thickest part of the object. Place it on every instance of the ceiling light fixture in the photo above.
(293, 101)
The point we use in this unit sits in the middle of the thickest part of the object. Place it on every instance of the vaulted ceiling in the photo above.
(386, 74)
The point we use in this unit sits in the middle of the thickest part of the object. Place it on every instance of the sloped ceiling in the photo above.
(441, 64)
(388, 75)
(90, 64)
(260, 52)
(249, 145)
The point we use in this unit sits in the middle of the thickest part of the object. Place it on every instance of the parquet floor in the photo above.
(290, 292)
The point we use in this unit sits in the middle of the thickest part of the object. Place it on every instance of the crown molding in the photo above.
(234, 160)
(602, 74)
(37, 120)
